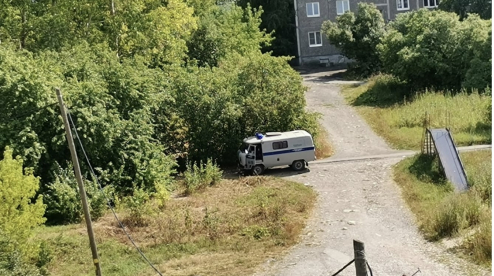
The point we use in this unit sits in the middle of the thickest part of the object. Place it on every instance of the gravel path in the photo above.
(357, 200)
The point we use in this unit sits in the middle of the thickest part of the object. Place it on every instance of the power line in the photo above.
(107, 199)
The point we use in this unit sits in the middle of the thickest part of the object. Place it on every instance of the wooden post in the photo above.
(82, 192)
(359, 255)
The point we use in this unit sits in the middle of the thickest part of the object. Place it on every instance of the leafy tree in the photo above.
(357, 35)
(148, 28)
(20, 209)
(463, 7)
(434, 49)
(218, 107)
(278, 19)
(63, 201)
(112, 104)
(226, 29)
(477, 42)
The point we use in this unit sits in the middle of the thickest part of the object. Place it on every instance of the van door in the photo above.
(251, 157)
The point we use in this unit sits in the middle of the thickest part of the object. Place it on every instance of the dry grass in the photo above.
(398, 115)
(323, 146)
(226, 229)
(441, 213)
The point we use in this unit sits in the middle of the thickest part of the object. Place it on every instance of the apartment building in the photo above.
(313, 46)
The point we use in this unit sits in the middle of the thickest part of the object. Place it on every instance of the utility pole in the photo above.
(78, 176)
(360, 262)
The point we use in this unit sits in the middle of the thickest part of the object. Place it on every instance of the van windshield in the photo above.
(244, 147)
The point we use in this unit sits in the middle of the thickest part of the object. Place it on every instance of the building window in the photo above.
(431, 3)
(312, 9)
(342, 6)
(402, 5)
(280, 145)
(315, 39)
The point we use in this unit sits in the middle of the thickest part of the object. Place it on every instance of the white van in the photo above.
(292, 148)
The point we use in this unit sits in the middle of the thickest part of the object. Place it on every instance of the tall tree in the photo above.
(462, 7)
(278, 18)
(357, 35)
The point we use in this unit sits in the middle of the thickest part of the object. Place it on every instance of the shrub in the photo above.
(137, 203)
(20, 209)
(198, 177)
(64, 201)
(357, 35)
(14, 264)
(434, 49)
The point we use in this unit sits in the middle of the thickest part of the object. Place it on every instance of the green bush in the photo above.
(14, 264)
(200, 176)
(357, 35)
(20, 209)
(138, 206)
(434, 49)
(64, 202)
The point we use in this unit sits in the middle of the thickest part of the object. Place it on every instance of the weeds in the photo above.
(198, 177)
(322, 144)
(225, 229)
(398, 115)
(442, 213)
(138, 206)
(457, 212)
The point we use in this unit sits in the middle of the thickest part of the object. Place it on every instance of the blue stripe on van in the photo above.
(287, 151)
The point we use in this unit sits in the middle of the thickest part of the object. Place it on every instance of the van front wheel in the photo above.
(257, 170)
(298, 165)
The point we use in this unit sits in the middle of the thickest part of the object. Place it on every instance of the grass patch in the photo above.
(322, 144)
(442, 213)
(397, 115)
(225, 229)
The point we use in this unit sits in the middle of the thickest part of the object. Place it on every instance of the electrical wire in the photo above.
(107, 199)
(370, 270)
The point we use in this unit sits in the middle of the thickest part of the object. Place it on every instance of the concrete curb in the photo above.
(398, 154)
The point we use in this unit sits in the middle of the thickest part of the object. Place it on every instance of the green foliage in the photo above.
(441, 212)
(64, 202)
(393, 113)
(278, 19)
(20, 209)
(357, 35)
(476, 55)
(137, 203)
(245, 94)
(14, 264)
(434, 49)
(226, 30)
(479, 245)
(465, 7)
(112, 104)
(455, 213)
(129, 77)
(200, 176)
(147, 28)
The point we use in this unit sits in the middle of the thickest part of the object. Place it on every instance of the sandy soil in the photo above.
(358, 199)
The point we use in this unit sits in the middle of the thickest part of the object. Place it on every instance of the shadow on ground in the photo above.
(427, 169)
(384, 92)
(276, 172)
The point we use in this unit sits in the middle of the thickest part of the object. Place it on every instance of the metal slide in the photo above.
(449, 158)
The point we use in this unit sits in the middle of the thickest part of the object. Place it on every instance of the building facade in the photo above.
(314, 48)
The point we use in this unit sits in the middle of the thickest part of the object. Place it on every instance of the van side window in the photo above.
(280, 145)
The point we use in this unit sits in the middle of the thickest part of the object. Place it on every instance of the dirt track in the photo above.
(357, 200)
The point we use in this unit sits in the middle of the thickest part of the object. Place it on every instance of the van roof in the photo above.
(275, 136)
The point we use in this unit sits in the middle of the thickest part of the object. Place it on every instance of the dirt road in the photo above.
(357, 200)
